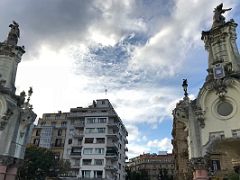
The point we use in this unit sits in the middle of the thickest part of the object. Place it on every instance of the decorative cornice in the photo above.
(198, 163)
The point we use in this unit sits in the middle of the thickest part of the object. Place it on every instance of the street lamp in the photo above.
(185, 86)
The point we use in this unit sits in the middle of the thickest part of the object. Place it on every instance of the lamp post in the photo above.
(185, 86)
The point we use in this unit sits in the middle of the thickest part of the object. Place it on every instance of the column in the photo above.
(3, 170)
(11, 173)
(200, 171)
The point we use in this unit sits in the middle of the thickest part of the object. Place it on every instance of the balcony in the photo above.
(78, 134)
(126, 157)
(112, 144)
(126, 149)
(126, 141)
(113, 156)
(111, 167)
(61, 145)
(79, 124)
(75, 154)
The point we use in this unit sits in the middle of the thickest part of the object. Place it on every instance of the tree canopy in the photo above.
(40, 163)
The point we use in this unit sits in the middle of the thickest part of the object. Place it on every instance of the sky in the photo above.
(137, 50)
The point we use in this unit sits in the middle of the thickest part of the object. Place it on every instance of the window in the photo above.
(76, 162)
(90, 130)
(98, 174)
(101, 130)
(90, 120)
(99, 150)
(87, 161)
(76, 150)
(236, 132)
(57, 156)
(53, 123)
(215, 165)
(87, 151)
(58, 142)
(59, 132)
(71, 131)
(43, 123)
(86, 174)
(98, 162)
(64, 123)
(100, 140)
(102, 120)
(36, 142)
(79, 142)
(38, 132)
(70, 141)
(89, 140)
(213, 135)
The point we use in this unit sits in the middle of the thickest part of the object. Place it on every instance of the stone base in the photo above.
(200, 174)
(8, 173)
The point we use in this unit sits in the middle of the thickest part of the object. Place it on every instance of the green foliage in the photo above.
(40, 163)
(233, 176)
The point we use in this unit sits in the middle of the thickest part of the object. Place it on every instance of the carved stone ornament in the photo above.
(220, 86)
(181, 110)
(4, 119)
(199, 163)
(27, 117)
(199, 113)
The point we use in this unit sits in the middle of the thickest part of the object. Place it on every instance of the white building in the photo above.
(96, 142)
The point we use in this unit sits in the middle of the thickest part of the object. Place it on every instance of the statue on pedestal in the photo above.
(218, 18)
(13, 34)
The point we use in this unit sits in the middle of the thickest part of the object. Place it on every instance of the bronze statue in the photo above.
(13, 34)
(218, 18)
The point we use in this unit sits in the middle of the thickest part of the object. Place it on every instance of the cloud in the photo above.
(161, 144)
(136, 49)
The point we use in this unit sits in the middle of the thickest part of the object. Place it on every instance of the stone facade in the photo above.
(16, 115)
(180, 151)
(154, 166)
(212, 119)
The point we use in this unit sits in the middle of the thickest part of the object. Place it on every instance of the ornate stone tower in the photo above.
(212, 119)
(16, 115)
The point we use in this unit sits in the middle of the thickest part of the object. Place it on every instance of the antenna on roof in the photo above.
(106, 91)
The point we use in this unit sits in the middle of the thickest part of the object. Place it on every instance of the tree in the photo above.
(40, 163)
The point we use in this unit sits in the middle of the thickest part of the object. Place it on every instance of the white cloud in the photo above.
(53, 75)
(161, 144)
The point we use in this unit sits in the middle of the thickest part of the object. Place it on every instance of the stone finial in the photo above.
(218, 18)
(13, 34)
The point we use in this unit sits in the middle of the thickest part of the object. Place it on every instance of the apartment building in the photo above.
(96, 142)
(50, 132)
(93, 139)
(152, 166)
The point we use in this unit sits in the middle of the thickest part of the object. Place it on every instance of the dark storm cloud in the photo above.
(54, 22)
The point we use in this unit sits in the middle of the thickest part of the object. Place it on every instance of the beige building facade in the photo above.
(50, 132)
(153, 166)
(212, 119)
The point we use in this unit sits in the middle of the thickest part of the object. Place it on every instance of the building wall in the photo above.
(50, 132)
(93, 139)
(153, 165)
(96, 140)
(180, 150)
